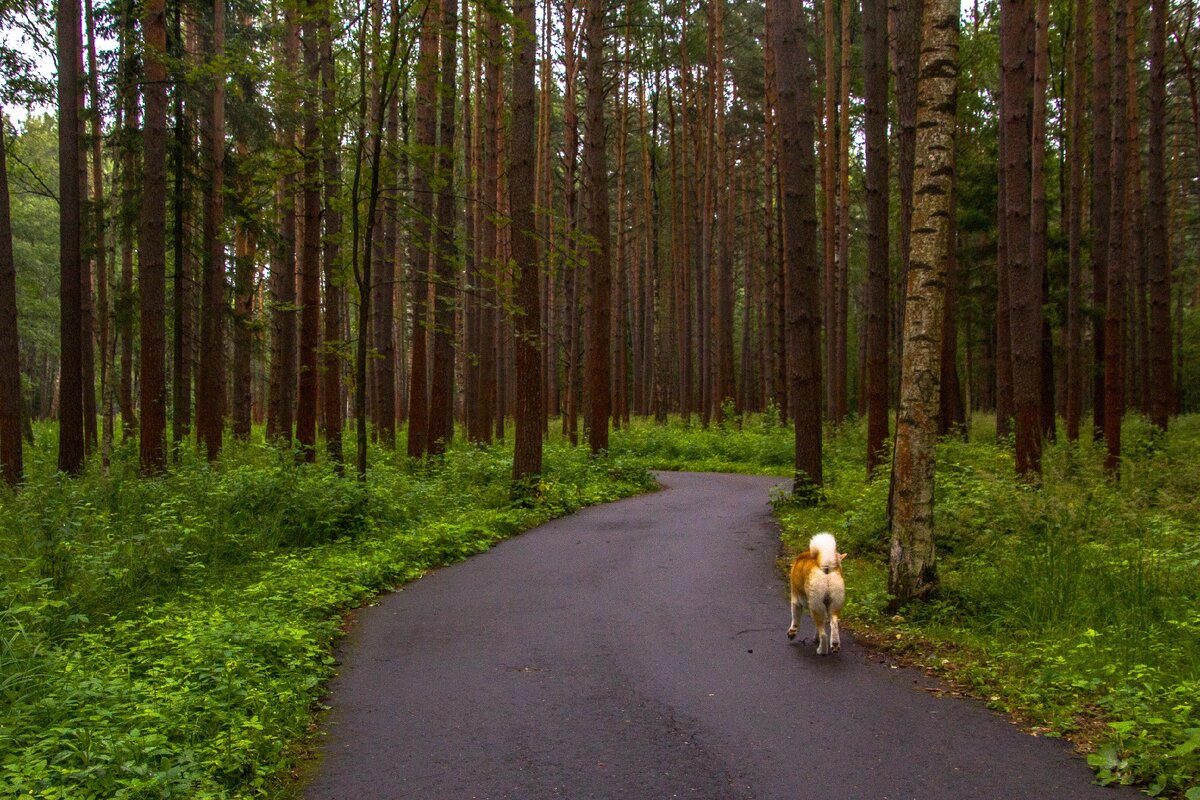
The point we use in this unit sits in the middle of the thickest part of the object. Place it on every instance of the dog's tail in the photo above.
(823, 548)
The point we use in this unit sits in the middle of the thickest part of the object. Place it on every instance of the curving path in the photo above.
(638, 650)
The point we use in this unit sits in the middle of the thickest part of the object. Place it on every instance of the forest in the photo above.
(301, 299)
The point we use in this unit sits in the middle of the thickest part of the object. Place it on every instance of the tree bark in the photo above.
(12, 467)
(308, 397)
(99, 235)
(1102, 154)
(1024, 279)
(421, 245)
(840, 366)
(876, 89)
(912, 570)
(1114, 318)
(70, 404)
(211, 388)
(331, 376)
(441, 390)
(1075, 155)
(152, 249)
(798, 179)
(1161, 380)
(527, 455)
(595, 159)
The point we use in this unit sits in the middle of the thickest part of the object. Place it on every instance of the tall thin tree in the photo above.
(912, 569)
(875, 67)
(152, 247)
(210, 401)
(798, 183)
(527, 456)
(595, 160)
(12, 467)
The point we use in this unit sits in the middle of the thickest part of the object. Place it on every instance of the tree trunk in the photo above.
(876, 89)
(211, 388)
(829, 156)
(906, 39)
(152, 249)
(331, 376)
(441, 390)
(308, 397)
(912, 571)
(527, 455)
(1075, 154)
(12, 467)
(1101, 214)
(798, 179)
(126, 184)
(183, 313)
(1162, 389)
(419, 423)
(1024, 279)
(570, 163)
(840, 366)
(595, 159)
(245, 251)
(283, 268)
(99, 234)
(1114, 318)
(70, 407)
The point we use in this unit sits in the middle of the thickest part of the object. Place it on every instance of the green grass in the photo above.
(169, 637)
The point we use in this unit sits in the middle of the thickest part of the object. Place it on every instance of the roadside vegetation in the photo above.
(170, 637)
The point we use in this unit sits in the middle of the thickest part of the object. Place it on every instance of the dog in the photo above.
(818, 586)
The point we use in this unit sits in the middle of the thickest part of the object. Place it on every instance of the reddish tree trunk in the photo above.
(527, 455)
(1161, 388)
(12, 467)
(211, 388)
(875, 67)
(1101, 214)
(422, 238)
(441, 390)
(152, 249)
(798, 178)
(595, 159)
(1114, 318)
(310, 253)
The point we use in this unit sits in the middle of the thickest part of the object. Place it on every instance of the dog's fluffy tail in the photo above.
(823, 547)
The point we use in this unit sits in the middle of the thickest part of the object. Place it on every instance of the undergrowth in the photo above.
(169, 637)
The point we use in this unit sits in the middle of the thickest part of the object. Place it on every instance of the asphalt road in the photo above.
(638, 650)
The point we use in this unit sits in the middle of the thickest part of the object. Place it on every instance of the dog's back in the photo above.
(817, 584)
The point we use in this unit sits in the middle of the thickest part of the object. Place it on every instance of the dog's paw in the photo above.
(792, 633)
(836, 647)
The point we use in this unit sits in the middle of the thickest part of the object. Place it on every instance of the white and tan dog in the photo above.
(818, 586)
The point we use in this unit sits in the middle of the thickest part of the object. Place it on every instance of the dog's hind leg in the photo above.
(795, 618)
(818, 617)
(835, 639)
